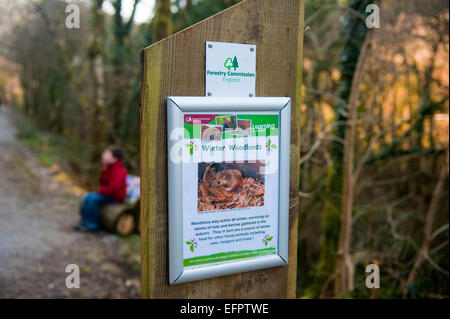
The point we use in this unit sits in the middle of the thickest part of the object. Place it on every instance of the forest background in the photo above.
(374, 123)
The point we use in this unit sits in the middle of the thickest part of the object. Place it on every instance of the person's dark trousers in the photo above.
(91, 209)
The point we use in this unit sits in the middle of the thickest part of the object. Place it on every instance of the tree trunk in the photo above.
(97, 95)
(330, 224)
(344, 280)
(119, 81)
(429, 220)
(162, 20)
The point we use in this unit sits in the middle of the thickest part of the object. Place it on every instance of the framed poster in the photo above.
(228, 185)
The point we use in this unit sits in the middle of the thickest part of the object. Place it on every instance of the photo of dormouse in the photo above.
(230, 185)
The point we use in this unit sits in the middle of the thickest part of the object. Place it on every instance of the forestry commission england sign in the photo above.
(230, 69)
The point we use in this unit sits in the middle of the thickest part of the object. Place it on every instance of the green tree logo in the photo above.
(231, 63)
(228, 64)
(235, 63)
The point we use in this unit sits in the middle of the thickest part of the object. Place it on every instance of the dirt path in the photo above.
(36, 237)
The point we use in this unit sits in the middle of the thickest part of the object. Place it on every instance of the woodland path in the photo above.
(37, 240)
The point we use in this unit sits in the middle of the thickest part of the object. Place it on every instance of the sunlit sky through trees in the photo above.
(144, 10)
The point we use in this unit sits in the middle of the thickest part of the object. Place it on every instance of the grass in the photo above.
(52, 148)
(49, 147)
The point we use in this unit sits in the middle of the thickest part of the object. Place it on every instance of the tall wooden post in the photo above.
(176, 67)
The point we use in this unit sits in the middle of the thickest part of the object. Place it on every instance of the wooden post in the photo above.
(176, 66)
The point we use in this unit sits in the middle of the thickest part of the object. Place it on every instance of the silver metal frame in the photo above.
(176, 106)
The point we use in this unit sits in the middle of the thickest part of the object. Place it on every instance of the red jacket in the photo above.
(113, 181)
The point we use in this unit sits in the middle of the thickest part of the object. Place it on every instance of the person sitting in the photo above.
(112, 189)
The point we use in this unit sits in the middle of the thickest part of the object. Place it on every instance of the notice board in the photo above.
(228, 185)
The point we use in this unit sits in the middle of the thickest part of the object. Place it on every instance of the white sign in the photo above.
(230, 69)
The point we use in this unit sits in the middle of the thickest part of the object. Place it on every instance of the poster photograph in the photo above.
(230, 185)
(225, 181)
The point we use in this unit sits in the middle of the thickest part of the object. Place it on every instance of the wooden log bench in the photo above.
(121, 219)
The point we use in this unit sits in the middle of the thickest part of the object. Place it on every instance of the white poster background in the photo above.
(192, 218)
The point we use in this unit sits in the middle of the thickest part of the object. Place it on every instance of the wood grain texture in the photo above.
(175, 66)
